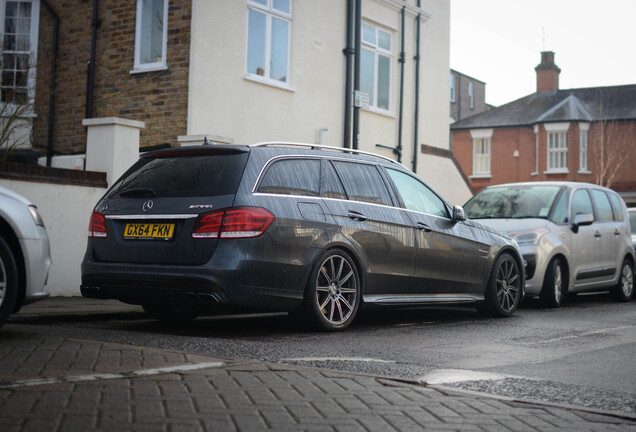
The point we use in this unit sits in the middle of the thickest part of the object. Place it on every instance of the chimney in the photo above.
(547, 73)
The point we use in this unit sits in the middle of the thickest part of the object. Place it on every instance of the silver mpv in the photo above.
(574, 237)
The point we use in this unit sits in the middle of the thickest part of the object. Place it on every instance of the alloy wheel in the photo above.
(558, 283)
(627, 280)
(336, 289)
(508, 284)
(3, 281)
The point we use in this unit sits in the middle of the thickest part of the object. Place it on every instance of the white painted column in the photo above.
(112, 145)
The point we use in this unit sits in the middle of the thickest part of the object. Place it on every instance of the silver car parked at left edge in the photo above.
(25, 257)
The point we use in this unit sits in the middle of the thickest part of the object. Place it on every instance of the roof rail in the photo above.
(321, 147)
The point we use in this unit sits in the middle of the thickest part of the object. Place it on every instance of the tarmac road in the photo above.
(580, 355)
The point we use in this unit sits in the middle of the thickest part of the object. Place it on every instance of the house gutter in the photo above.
(402, 61)
(90, 79)
(417, 91)
(349, 53)
(356, 73)
(51, 115)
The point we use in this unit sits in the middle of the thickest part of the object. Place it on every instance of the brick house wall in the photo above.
(505, 167)
(460, 107)
(159, 98)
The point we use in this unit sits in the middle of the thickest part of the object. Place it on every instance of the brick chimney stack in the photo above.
(547, 73)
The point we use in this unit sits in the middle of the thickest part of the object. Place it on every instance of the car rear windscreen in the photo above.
(182, 176)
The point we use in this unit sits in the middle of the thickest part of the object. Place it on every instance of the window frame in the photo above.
(452, 88)
(139, 67)
(471, 95)
(378, 51)
(584, 148)
(32, 52)
(482, 136)
(557, 145)
(270, 12)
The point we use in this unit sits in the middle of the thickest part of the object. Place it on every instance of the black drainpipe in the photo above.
(417, 92)
(90, 79)
(51, 117)
(356, 73)
(402, 60)
(458, 95)
(349, 53)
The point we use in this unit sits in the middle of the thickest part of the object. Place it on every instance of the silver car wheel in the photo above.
(627, 280)
(3, 281)
(507, 285)
(558, 283)
(336, 290)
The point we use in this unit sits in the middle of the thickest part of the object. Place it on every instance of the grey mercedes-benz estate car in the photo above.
(316, 231)
(575, 237)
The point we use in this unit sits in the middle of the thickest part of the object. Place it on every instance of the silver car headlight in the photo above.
(529, 237)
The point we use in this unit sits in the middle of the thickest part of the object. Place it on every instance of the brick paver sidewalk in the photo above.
(60, 384)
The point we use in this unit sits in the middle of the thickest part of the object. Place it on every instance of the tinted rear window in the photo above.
(182, 176)
(292, 177)
(363, 183)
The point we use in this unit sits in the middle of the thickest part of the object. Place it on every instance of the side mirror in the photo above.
(458, 214)
(582, 219)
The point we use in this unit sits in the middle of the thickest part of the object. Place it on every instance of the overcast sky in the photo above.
(499, 42)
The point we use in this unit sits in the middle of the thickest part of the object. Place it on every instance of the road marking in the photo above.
(446, 376)
(109, 376)
(344, 359)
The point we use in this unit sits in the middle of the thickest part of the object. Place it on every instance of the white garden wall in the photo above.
(66, 210)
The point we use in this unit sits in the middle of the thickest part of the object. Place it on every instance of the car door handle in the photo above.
(597, 234)
(423, 227)
(617, 232)
(356, 216)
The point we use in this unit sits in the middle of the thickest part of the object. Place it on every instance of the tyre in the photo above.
(332, 294)
(169, 314)
(624, 290)
(553, 285)
(503, 291)
(8, 281)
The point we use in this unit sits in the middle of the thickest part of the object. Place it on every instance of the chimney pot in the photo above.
(547, 73)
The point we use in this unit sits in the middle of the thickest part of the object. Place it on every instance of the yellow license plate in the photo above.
(160, 231)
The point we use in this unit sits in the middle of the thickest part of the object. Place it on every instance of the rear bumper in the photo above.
(272, 281)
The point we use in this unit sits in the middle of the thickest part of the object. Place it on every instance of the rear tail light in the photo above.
(97, 226)
(239, 222)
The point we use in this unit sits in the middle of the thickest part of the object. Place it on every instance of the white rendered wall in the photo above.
(66, 211)
(224, 102)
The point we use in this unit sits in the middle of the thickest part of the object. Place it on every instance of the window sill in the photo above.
(271, 83)
(149, 69)
(481, 176)
(9, 111)
(584, 172)
(557, 172)
(534, 174)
